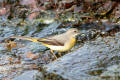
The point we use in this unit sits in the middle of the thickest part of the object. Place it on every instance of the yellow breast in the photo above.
(70, 44)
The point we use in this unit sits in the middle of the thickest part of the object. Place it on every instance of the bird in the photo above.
(60, 43)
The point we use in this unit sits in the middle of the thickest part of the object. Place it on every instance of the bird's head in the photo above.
(73, 32)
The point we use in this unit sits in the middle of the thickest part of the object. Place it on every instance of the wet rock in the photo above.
(1, 75)
(2, 48)
(49, 29)
(89, 61)
(111, 73)
(28, 75)
(39, 76)
(43, 75)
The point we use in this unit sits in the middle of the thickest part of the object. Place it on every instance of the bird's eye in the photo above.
(75, 31)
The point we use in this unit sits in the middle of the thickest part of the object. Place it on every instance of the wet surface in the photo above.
(96, 50)
(96, 55)
(89, 61)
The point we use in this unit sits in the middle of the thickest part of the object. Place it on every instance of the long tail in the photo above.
(26, 38)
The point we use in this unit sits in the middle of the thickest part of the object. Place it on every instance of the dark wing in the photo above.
(51, 42)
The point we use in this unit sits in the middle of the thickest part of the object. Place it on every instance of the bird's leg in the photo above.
(53, 54)
(59, 54)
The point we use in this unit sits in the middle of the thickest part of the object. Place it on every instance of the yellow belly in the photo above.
(64, 48)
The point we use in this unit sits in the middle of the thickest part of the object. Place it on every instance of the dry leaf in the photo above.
(31, 55)
(10, 45)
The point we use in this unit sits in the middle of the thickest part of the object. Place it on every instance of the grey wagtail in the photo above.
(61, 43)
